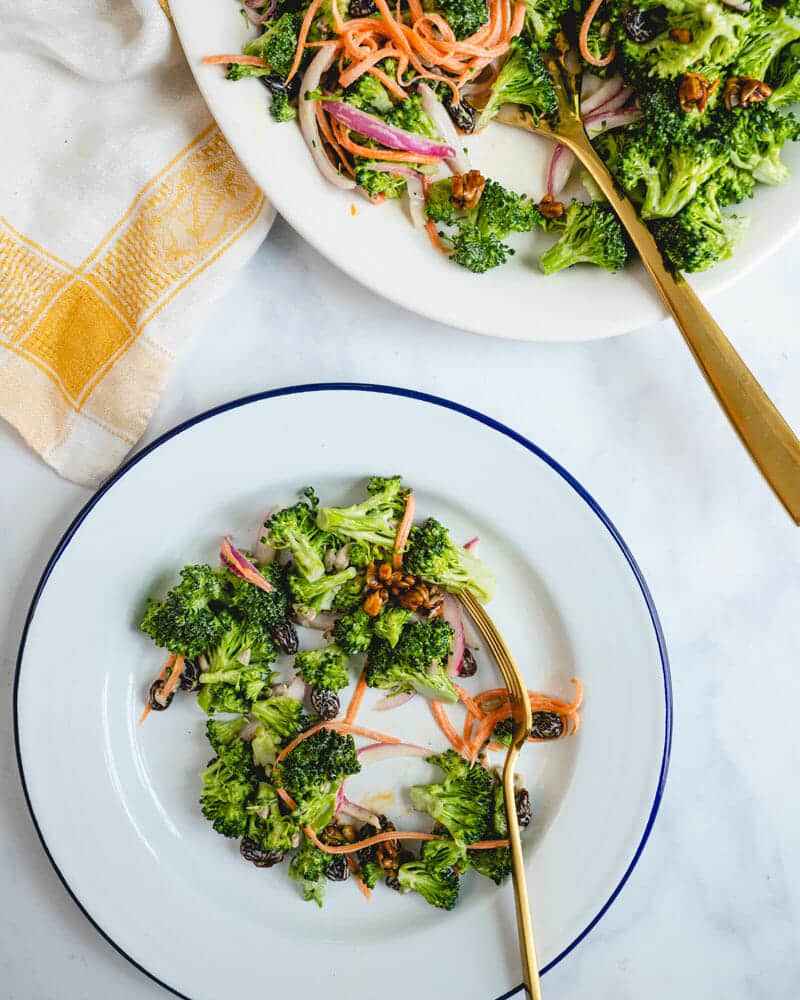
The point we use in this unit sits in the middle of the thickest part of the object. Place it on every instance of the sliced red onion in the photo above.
(297, 689)
(561, 164)
(443, 124)
(244, 658)
(451, 613)
(357, 811)
(387, 135)
(250, 7)
(416, 201)
(322, 61)
(472, 544)
(609, 89)
(618, 101)
(242, 567)
(392, 701)
(600, 121)
(376, 752)
(339, 799)
(249, 730)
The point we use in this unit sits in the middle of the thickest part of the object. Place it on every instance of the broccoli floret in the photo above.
(438, 886)
(224, 738)
(592, 234)
(374, 520)
(523, 80)
(432, 555)
(224, 796)
(463, 803)
(277, 44)
(319, 764)
(502, 212)
(368, 94)
(378, 182)
(281, 718)
(494, 863)
(281, 109)
(295, 528)
(755, 138)
(353, 632)
(784, 78)
(260, 609)
(312, 596)
(465, 17)
(350, 595)
(478, 252)
(267, 825)
(308, 868)
(371, 873)
(542, 20)
(323, 668)
(239, 669)
(769, 31)
(390, 623)
(185, 621)
(409, 115)
(701, 235)
(416, 663)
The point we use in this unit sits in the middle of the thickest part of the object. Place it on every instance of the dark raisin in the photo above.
(393, 881)
(250, 851)
(325, 703)
(367, 853)
(275, 84)
(404, 857)
(546, 725)
(523, 803)
(190, 678)
(361, 8)
(285, 635)
(643, 25)
(469, 664)
(463, 115)
(155, 689)
(337, 869)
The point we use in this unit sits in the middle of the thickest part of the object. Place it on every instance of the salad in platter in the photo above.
(380, 590)
(685, 101)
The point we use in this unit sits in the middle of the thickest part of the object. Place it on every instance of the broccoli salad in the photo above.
(684, 100)
(378, 589)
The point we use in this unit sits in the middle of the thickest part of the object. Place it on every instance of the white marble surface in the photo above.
(713, 909)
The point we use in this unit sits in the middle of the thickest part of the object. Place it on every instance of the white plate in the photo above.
(379, 248)
(116, 805)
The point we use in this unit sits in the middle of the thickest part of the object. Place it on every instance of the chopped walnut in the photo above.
(742, 91)
(681, 35)
(694, 91)
(550, 208)
(383, 581)
(467, 189)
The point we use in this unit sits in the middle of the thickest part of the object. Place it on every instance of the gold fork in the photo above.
(521, 714)
(766, 435)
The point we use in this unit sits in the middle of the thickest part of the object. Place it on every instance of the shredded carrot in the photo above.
(290, 802)
(403, 531)
(389, 155)
(485, 729)
(339, 727)
(365, 890)
(242, 60)
(472, 707)
(487, 845)
(358, 697)
(391, 85)
(358, 69)
(446, 726)
(583, 37)
(302, 36)
(378, 838)
(433, 236)
(466, 736)
(325, 128)
(162, 676)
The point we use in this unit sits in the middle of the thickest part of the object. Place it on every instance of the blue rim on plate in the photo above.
(392, 391)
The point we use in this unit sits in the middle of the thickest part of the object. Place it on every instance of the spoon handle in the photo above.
(772, 444)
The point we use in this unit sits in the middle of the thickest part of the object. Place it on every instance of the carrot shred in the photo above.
(339, 727)
(583, 37)
(325, 128)
(302, 36)
(389, 155)
(378, 838)
(170, 661)
(433, 236)
(365, 890)
(485, 729)
(403, 531)
(446, 727)
(242, 60)
(470, 704)
(358, 697)
(391, 85)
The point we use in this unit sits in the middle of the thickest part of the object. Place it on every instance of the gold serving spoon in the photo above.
(763, 431)
(521, 715)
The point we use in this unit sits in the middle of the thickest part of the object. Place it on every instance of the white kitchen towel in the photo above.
(123, 213)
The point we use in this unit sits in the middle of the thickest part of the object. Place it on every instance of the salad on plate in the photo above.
(378, 589)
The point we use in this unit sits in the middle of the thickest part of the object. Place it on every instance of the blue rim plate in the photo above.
(383, 391)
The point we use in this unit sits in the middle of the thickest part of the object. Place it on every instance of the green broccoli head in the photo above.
(323, 668)
(379, 182)
(281, 107)
(239, 669)
(371, 873)
(260, 609)
(410, 116)
(295, 528)
(390, 623)
(592, 234)
(319, 764)
(416, 663)
(267, 826)
(523, 80)
(186, 621)
(465, 17)
(224, 738)
(432, 555)
(754, 140)
(277, 43)
(463, 803)
(438, 886)
(784, 78)
(769, 31)
(282, 718)
(543, 20)
(310, 597)
(374, 520)
(368, 94)
(478, 252)
(700, 235)
(351, 594)
(224, 797)
(353, 632)
(307, 867)
(494, 863)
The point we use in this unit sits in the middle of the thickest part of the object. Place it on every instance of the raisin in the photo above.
(361, 8)
(469, 664)
(155, 689)
(462, 114)
(285, 635)
(522, 800)
(250, 851)
(325, 703)
(337, 869)
(547, 725)
(643, 25)
(190, 678)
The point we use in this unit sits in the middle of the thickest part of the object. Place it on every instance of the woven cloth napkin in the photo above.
(123, 213)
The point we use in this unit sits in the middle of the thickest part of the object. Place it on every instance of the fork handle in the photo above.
(530, 967)
(771, 442)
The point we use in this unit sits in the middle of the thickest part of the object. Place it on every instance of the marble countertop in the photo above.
(713, 908)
